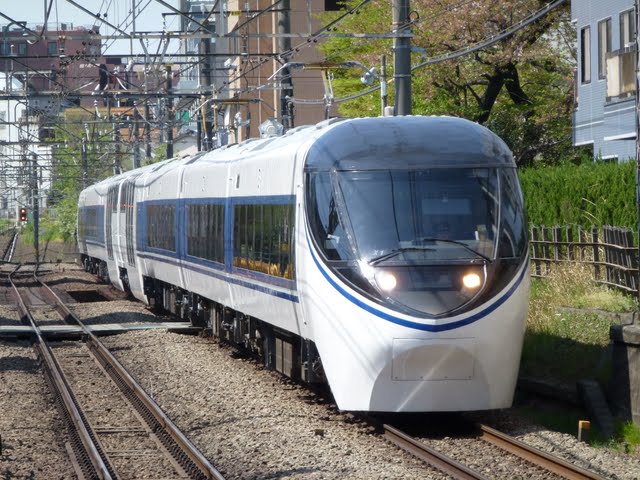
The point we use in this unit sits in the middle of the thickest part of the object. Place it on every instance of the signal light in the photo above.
(23, 214)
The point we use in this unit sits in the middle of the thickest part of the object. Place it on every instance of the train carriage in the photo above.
(385, 256)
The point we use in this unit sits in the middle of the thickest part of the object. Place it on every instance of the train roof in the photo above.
(405, 142)
(373, 142)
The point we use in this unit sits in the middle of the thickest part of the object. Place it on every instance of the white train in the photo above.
(387, 257)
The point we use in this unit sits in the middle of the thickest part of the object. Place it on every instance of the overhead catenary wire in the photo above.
(323, 32)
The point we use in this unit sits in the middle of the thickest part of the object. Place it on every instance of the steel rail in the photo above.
(533, 455)
(74, 418)
(122, 378)
(427, 454)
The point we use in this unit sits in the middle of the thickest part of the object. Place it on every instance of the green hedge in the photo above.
(586, 194)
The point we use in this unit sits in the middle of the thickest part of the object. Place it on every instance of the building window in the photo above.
(604, 46)
(22, 49)
(52, 48)
(627, 28)
(585, 55)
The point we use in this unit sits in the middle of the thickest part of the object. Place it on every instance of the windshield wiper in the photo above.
(385, 256)
(456, 242)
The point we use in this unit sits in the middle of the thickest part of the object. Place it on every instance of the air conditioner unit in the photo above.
(271, 128)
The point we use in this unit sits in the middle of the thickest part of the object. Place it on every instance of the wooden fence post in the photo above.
(546, 249)
(571, 252)
(596, 253)
(536, 250)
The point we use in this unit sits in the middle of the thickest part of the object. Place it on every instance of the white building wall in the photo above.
(11, 134)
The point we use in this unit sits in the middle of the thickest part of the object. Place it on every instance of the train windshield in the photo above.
(431, 214)
(411, 236)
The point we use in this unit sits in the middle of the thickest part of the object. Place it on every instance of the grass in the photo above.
(564, 346)
(567, 346)
(630, 434)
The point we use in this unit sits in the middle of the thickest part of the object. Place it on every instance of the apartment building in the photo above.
(604, 117)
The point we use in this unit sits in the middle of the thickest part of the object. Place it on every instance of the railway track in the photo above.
(509, 445)
(116, 430)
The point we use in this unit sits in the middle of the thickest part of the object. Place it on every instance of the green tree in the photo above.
(68, 177)
(521, 86)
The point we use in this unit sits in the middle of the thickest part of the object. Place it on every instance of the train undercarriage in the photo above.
(277, 349)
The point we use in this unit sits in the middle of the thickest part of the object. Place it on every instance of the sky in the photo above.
(150, 19)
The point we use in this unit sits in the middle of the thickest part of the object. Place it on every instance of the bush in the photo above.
(591, 193)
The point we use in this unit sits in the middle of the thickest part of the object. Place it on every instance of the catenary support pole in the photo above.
(36, 206)
(402, 56)
(85, 168)
(205, 82)
(637, 19)
(169, 113)
(383, 84)
(136, 138)
(284, 45)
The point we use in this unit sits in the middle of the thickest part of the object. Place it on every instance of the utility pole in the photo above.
(83, 155)
(205, 82)
(402, 56)
(637, 19)
(169, 113)
(147, 130)
(117, 161)
(35, 205)
(383, 84)
(199, 132)
(136, 138)
(284, 45)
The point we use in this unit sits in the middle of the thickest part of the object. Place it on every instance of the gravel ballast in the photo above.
(33, 436)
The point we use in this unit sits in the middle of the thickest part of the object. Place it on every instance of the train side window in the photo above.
(88, 222)
(160, 227)
(324, 219)
(218, 233)
(205, 231)
(513, 235)
(264, 238)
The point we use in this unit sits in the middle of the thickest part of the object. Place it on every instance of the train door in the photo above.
(127, 257)
(119, 236)
(111, 231)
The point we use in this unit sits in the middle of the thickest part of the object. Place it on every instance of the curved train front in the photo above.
(414, 249)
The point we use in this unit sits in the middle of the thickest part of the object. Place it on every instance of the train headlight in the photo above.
(385, 280)
(471, 281)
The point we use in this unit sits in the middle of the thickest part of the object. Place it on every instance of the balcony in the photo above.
(621, 73)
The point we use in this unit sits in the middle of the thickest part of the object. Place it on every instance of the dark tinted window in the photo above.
(205, 232)
(263, 238)
(88, 222)
(513, 233)
(161, 227)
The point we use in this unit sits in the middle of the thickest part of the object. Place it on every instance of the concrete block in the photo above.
(624, 389)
